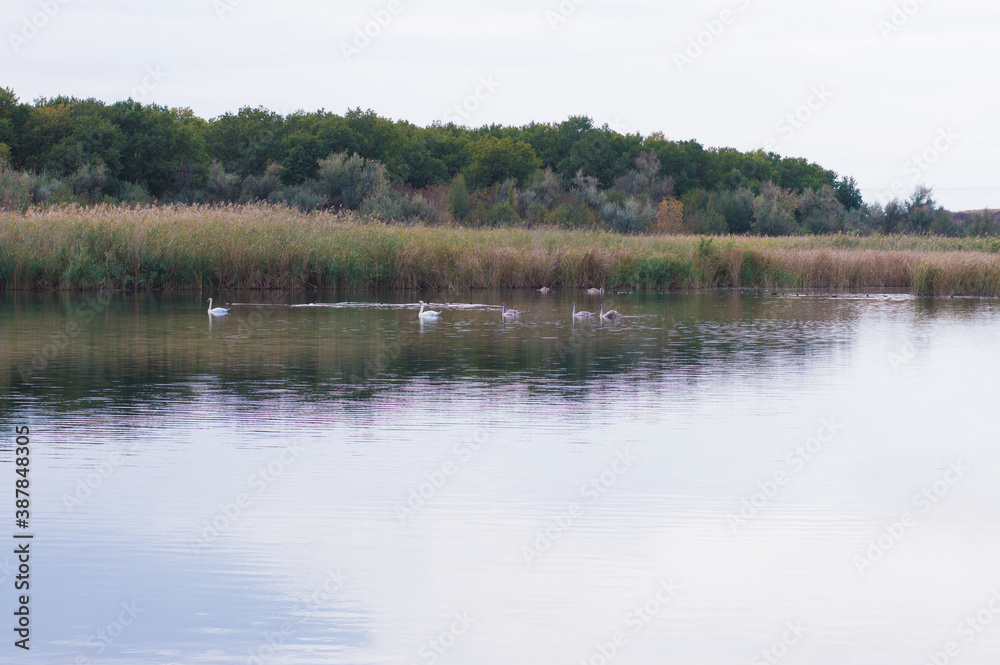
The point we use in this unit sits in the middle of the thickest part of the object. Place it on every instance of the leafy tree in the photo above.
(848, 193)
(982, 223)
(774, 211)
(163, 148)
(247, 142)
(496, 160)
(345, 180)
(458, 198)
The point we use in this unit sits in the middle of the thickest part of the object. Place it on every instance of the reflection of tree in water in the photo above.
(146, 350)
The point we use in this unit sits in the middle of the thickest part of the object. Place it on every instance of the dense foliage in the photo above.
(570, 174)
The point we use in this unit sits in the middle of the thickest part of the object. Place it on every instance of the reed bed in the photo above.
(273, 247)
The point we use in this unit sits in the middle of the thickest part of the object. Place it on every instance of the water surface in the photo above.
(712, 476)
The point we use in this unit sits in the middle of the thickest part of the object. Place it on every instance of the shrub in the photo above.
(264, 187)
(774, 211)
(646, 179)
(305, 198)
(89, 181)
(135, 194)
(571, 217)
(17, 189)
(631, 216)
(458, 198)
(221, 187)
(346, 180)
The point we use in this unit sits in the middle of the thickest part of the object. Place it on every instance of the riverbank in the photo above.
(266, 247)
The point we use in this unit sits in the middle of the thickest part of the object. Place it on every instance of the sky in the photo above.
(894, 93)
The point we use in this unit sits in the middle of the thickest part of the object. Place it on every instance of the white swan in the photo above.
(428, 314)
(545, 289)
(216, 311)
(595, 292)
(509, 313)
(581, 315)
(613, 315)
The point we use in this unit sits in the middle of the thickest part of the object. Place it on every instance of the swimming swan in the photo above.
(595, 292)
(428, 314)
(581, 315)
(613, 315)
(545, 289)
(216, 311)
(509, 313)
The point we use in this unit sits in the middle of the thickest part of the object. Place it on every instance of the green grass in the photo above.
(265, 247)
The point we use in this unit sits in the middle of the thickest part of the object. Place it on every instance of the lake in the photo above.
(734, 477)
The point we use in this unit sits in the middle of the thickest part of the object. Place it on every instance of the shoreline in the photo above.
(274, 248)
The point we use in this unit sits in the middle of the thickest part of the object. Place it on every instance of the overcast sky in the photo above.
(901, 92)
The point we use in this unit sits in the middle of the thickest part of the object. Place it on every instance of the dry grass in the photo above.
(266, 247)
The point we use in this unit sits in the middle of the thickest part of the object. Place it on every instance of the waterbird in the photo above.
(509, 313)
(216, 311)
(428, 314)
(595, 292)
(581, 315)
(613, 315)
(545, 289)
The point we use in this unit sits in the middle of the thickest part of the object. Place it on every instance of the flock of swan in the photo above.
(506, 314)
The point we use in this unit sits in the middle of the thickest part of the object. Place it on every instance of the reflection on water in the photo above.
(713, 477)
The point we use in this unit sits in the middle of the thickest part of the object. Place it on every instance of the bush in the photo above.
(135, 194)
(265, 187)
(17, 189)
(571, 217)
(52, 191)
(458, 198)
(820, 211)
(221, 187)
(981, 224)
(774, 211)
(631, 216)
(89, 181)
(501, 214)
(345, 181)
(735, 207)
(305, 198)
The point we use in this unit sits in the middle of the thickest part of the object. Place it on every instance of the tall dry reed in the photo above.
(273, 247)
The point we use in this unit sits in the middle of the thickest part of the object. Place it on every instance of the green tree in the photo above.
(496, 160)
(458, 198)
(774, 211)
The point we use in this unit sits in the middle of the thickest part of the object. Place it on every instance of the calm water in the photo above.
(717, 478)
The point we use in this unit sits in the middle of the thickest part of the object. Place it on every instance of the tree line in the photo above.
(570, 174)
